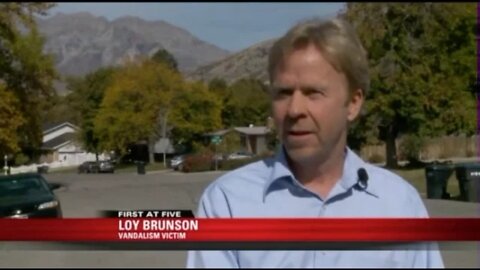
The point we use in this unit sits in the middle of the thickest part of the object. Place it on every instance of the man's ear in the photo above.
(355, 104)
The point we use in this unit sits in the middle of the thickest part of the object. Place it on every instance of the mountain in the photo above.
(251, 62)
(82, 42)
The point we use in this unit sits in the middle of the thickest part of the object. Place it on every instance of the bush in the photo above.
(411, 146)
(21, 159)
(376, 158)
(198, 162)
(237, 163)
(471, 152)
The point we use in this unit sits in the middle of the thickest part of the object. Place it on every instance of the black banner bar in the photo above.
(161, 213)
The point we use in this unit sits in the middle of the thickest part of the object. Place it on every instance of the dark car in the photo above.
(104, 166)
(28, 196)
(88, 167)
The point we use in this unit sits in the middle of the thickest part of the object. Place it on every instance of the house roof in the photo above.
(51, 127)
(260, 130)
(59, 141)
(253, 130)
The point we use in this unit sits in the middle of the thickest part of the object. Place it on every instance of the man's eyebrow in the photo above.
(281, 86)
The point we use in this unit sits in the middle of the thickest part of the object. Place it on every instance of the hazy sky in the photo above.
(232, 26)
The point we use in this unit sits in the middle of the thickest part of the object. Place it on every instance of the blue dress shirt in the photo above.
(268, 188)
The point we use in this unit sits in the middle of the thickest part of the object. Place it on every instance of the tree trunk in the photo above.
(164, 159)
(164, 135)
(391, 148)
(151, 150)
(96, 156)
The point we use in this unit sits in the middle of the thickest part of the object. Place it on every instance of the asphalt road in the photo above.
(85, 195)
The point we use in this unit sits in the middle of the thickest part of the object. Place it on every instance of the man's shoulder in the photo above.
(396, 193)
(386, 181)
(252, 175)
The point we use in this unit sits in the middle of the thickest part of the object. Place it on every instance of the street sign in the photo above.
(216, 139)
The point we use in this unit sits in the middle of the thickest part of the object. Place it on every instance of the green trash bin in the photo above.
(468, 176)
(437, 175)
(140, 167)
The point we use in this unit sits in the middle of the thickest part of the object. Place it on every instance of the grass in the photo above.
(417, 178)
(123, 168)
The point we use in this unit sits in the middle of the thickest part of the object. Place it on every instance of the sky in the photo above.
(231, 26)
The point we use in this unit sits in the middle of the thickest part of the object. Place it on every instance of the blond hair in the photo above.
(335, 39)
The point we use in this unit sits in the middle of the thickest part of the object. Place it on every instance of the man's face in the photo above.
(311, 108)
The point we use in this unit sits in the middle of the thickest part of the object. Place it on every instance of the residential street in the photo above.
(85, 194)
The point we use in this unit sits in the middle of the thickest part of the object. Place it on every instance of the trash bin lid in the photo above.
(469, 165)
(440, 166)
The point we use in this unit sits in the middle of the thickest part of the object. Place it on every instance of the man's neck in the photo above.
(320, 176)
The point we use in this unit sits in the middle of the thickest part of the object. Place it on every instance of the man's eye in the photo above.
(314, 92)
(283, 92)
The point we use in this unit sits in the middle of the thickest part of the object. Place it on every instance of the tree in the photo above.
(163, 56)
(138, 97)
(230, 143)
(247, 102)
(10, 121)
(86, 97)
(219, 87)
(422, 65)
(196, 112)
(24, 69)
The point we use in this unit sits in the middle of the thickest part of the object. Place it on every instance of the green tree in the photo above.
(196, 112)
(230, 143)
(10, 121)
(25, 69)
(247, 102)
(85, 99)
(219, 87)
(422, 64)
(163, 56)
(58, 109)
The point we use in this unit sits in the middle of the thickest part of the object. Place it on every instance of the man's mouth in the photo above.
(298, 133)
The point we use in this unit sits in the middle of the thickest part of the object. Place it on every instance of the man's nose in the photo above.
(297, 105)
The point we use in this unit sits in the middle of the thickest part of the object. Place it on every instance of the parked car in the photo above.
(28, 196)
(106, 166)
(176, 163)
(103, 166)
(88, 167)
(240, 155)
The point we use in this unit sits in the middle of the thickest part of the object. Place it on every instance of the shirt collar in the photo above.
(350, 172)
(281, 170)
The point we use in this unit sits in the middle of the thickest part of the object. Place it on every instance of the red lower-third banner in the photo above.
(239, 230)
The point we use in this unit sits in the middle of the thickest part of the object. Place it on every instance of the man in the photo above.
(319, 76)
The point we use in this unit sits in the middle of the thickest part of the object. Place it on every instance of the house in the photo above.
(253, 139)
(59, 144)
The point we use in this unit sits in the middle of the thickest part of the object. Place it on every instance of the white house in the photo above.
(61, 145)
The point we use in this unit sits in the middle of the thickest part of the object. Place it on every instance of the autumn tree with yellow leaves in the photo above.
(140, 94)
(26, 77)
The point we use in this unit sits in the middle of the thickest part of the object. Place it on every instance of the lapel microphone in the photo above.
(362, 178)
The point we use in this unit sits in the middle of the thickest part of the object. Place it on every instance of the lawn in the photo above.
(418, 179)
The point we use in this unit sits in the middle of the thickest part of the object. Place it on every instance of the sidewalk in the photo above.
(456, 254)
